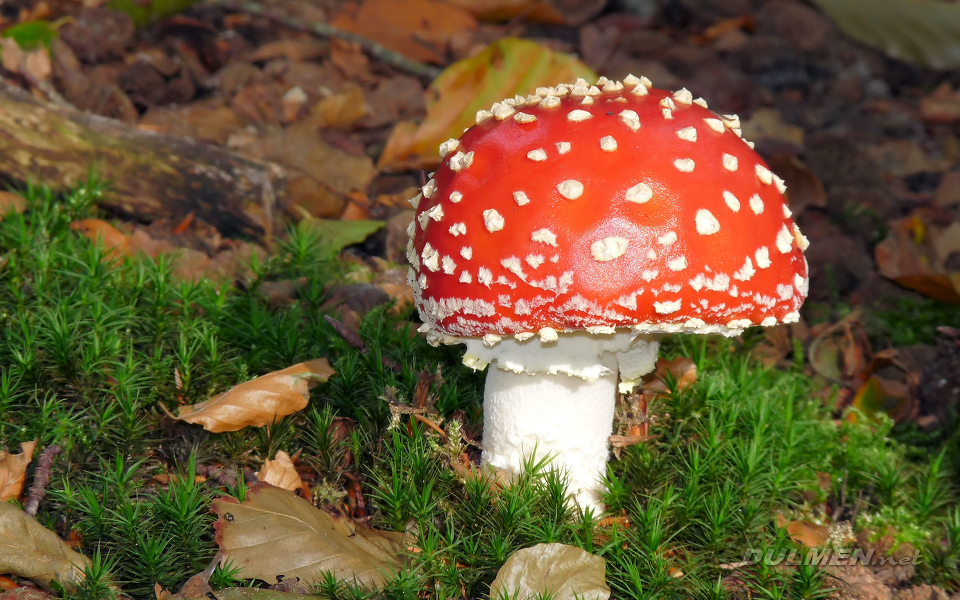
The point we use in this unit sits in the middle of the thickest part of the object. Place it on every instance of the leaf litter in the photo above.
(260, 401)
(274, 533)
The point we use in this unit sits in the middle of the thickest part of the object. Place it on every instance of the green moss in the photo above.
(90, 350)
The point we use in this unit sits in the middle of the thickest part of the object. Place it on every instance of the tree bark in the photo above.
(151, 176)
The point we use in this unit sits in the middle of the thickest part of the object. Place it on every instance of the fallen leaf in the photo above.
(804, 188)
(35, 34)
(926, 32)
(275, 533)
(112, 239)
(210, 121)
(248, 593)
(28, 593)
(13, 470)
(807, 533)
(942, 105)
(29, 550)
(11, 202)
(881, 395)
(948, 193)
(506, 68)
(418, 29)
(920, 253)
(341, 111)
(34, 63)
(280, 472)
(566, 572)
(260, 401)
(300, 49)
(682, 370)
(337, 235)
(904, 157)
(319, 174)
(767, 124)
(553, 12)
(841, 352)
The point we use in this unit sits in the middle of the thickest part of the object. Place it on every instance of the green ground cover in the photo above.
(92, 347)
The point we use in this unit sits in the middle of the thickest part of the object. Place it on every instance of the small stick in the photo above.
(430, 424)
(353, 338)
(843, 497)
(40, 478)
(327, 30)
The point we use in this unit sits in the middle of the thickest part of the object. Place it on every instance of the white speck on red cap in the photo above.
(707, 224)
(563, 147)
(764, 174)
(731, 201)
(571, 189)
(537, 155)
(544, 236)
(631, 119)
(667, 239)
(688, 134)
(638, 193)
(522, 117)
(608, 144)
(578, 115)
(685, 165)
(521, 198)
(609, 248)
(492, 220)
(715, 124)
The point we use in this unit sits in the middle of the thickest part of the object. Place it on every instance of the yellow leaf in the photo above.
(261, 401)
(508, 67)
(926, 32)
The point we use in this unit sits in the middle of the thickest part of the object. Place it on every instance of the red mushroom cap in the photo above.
(582, 208)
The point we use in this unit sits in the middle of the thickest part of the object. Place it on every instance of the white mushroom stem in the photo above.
(565, 417)
(557, 399)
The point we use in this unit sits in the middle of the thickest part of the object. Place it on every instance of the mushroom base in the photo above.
(567, 418)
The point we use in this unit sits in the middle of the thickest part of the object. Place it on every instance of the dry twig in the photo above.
(40, 478)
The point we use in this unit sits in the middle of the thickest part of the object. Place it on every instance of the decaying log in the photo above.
(152, 176)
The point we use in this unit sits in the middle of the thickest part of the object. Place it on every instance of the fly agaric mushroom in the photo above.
(567, 231)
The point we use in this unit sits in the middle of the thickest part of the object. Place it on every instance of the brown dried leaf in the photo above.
(114, 241)
(807, 533)
(804, 188)
(300, 49)
(942, 105)
(341, 111)
(767, 124)
(680, 369)
(566, 572)
(261, 401)
(904, 157)
(919, 252)
(27, 549)
(11, 202)
(881, 395)
(274, 533)
(13, 470)
(280, 472)
(554, 12)
(841, 352)
(418, 29)
(508, 67)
